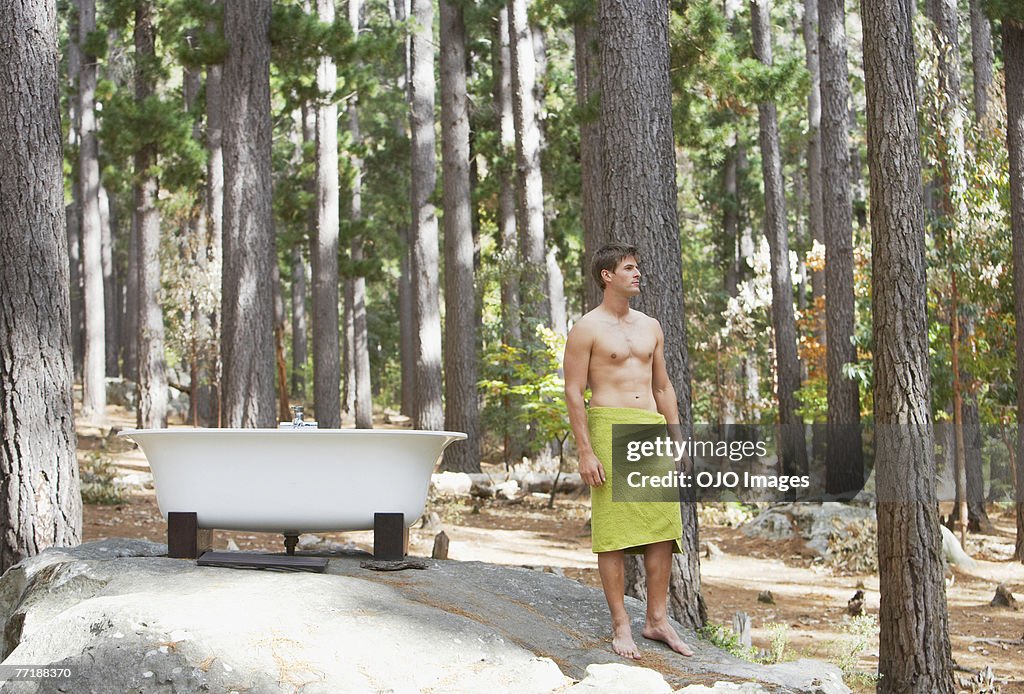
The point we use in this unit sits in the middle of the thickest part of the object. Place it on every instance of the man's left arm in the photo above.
(664, 393)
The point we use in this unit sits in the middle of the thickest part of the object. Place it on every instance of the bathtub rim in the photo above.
(453, 435)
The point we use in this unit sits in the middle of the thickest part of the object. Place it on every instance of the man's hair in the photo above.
(608, 257)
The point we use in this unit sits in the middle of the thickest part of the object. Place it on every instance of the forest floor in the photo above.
(808, 618)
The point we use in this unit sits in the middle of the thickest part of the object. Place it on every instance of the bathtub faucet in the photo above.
(297, 420)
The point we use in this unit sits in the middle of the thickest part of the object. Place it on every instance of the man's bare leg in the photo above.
(658, 564)
(610, 566)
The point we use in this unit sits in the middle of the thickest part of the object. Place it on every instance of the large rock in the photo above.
(124, 618)
(814, 522)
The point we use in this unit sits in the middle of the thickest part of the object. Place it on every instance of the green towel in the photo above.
(627, 525)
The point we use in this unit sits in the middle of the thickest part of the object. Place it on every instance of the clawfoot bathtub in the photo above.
(290, 481)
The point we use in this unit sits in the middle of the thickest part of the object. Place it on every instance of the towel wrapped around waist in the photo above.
(627, 525)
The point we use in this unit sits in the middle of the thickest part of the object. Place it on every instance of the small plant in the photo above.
(863, 631)
(779, 640)
(721, 636)
(99, 481)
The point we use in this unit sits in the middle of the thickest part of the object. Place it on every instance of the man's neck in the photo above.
(616, 304)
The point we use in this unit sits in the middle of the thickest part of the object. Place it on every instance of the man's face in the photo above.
(625, 279)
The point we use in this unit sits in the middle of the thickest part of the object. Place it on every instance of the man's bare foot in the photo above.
(666, 634)
(623, 644)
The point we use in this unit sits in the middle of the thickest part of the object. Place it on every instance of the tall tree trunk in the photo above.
(74, 235)
(248, 335)
(977, 517)
(639, 180)
(816, 214)
(529, 182)
(210, 404)
(507, 189)
(793, 452)
(74, 210)
(951, 206)
(588, 101)
(461, 309)
(981, 52)
(197, 250)
(556, 293)
(111, 342)
(324, 252)
(914, 650)
(360, 342)
(406, 324)
(511, 317)
(844, 469)
(300, 346)
(425, 266)
(152, 409)
(94, 387)
(348, 339)
(40, 499)
(131, 301)
(406, 315)
(1013, 59)
(283, 402)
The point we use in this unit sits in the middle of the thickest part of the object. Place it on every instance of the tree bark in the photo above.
(324, 252)
(814, 183)
(74, 234)
(300, 345)
(249, 256)
(507, 188)
(425, 267)
(529, 181)
(981, 53)
(1013, 59)
(556, 293)
(639, 181)
(793, 452)
(40, 499)
(588, 101)
(111, 342)
(914, 650)
(283, 401)
(131, 301)
(210, 396)
(951, 206)
(94, 387)
(406, 315)
(152, 409)
(844, 468)
(509, 260)
(360, 341)
(461, 412)
(348, 338)
(977, 517)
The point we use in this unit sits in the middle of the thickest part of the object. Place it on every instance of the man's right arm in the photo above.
(576, 365)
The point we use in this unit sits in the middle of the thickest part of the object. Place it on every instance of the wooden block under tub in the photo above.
(390, 537)
(185, 539)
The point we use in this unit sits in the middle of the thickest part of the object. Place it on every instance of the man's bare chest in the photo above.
(617, 344)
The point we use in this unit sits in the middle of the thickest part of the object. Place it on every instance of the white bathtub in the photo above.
(292, 481)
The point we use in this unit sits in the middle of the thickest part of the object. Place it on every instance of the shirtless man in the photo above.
(620, 353)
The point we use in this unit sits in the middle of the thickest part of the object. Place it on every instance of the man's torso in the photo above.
(621, 360)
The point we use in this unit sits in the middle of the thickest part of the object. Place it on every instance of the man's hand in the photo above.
(591, 469)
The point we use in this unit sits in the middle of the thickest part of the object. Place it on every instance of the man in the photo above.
(620, 353)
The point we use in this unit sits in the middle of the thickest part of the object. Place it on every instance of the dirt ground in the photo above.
(810, 598)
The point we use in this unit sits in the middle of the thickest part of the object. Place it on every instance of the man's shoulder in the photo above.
(588, 321)
(643, 319)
